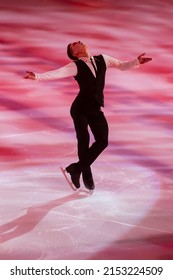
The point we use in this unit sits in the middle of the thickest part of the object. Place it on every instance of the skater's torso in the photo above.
(90, 96)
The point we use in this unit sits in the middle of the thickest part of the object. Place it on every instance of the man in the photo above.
(89, 72)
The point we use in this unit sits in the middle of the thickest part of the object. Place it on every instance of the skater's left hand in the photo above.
(143, 59)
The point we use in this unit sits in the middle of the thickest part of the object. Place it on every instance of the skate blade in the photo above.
(67, 179)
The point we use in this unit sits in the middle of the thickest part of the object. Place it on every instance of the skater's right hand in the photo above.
(29, 75)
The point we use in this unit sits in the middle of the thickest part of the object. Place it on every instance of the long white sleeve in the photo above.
(68, 70)
(112, 62)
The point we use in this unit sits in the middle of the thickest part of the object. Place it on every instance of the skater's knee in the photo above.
(103, 144)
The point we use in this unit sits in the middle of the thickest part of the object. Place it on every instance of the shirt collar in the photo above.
(85, 59)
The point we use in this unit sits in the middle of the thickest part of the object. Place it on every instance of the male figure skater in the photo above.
(89, 72)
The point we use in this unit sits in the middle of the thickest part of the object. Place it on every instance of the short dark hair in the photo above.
(69, 53)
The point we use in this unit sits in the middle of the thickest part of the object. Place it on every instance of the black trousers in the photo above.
(96, 120)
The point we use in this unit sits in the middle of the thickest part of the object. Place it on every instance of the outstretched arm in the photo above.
(112, 62)
(68, 70)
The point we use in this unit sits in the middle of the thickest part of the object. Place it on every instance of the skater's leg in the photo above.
(99, 128)
(82, 134)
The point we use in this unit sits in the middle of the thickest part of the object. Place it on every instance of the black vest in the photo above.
(91, 88)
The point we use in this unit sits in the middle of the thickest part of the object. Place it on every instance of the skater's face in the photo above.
(78, 49)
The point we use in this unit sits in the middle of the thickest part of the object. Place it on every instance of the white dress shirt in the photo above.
(70, 70)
